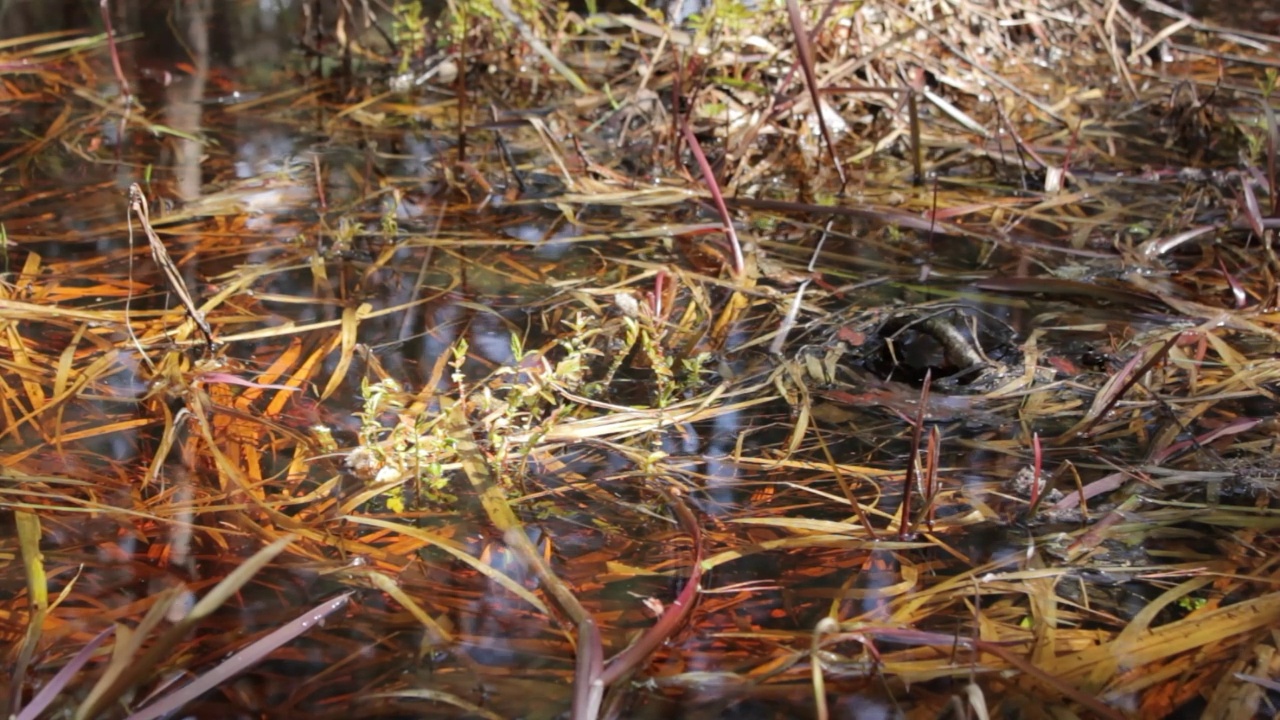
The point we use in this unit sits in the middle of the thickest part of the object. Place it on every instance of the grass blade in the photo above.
(242, 660)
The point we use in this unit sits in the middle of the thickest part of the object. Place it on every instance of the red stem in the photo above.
(709, 177)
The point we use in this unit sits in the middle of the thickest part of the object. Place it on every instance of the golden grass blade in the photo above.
(826, 626)
(74, 41)
(243, 659)
(494, 500)
(23, 363)
(100, 430)
(65, 361)
(436, 696)
(124, 655)
(128, 668)
(292, 329)
(815, 541)
(437, 636)
(29, 536)
(168, 434)
(480, 566)
(805, 525)
(1200, 629)
(20, 310)
(351, 318)
(298, 380)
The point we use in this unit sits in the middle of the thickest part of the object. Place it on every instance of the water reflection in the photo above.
(334, 244)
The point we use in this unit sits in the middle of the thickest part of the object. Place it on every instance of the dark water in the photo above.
(247, 135)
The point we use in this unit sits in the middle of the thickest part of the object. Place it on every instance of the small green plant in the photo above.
(517, 405)
(341, 238)
(463, 16)
(390, 226)
(408, 31)
(651, 337)
(1268, 83)
(732, 15)
(1191, 604)
(414, 448)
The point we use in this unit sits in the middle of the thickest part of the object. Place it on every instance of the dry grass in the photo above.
(978, 420)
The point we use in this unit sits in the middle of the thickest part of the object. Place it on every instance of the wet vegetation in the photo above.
(892, 358)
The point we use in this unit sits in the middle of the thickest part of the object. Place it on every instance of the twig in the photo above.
(138, 203)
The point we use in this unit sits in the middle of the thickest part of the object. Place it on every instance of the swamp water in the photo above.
(493, 426)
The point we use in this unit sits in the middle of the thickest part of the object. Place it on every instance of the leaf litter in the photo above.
(897, 356)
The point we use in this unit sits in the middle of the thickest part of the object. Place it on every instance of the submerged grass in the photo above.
(479, 382)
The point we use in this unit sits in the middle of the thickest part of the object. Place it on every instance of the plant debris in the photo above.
(517, 361)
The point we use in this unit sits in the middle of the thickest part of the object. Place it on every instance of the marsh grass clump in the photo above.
(582, 376)
(412, 450)
(793, 360)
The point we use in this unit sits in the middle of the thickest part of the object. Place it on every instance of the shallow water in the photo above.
(337, 243)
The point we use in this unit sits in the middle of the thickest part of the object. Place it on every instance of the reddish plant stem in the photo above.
(1129, 377)
(673, 615)
(933, 457)
(104, 6)
(805, 51)
(713, 187)
(593, 676)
